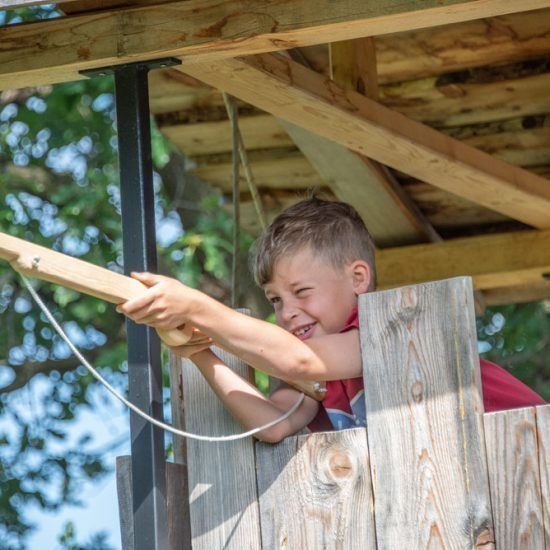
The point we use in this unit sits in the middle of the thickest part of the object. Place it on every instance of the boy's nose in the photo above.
(287, 313)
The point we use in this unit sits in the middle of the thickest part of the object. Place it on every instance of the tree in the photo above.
(517, 336)
(59, 189)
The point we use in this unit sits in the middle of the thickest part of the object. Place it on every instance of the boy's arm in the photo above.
(169, 304)
(249, 406)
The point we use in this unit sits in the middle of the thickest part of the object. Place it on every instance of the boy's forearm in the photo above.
(245, 402)
(263, 345)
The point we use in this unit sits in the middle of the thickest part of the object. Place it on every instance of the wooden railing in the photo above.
(430, 471)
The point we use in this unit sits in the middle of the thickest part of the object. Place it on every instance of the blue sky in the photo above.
(108, 421)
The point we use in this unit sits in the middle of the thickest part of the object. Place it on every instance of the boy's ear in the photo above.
(361, 276)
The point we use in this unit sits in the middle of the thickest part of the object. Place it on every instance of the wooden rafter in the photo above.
(520, 259)
(56, 50)
(305, 98)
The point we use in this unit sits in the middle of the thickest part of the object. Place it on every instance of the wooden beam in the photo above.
(56, 50)
(447, 210)
(259, 132)
(390, 214)
(14, 4)
(354, 62)
(37, 261)
(493, 261)
(463, 104)
(290, 172)
(357, 180)
(305, 98)
(450, 48)
(517, 294)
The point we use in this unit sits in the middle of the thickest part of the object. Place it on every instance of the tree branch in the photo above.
(29, 369)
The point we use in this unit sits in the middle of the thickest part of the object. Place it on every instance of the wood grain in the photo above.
(424, 406)
(222, 484)
(512, 455)
(41, 262)
(494, 261)
(315, 492)
(543, 437)
(56, 50)
(307, 99)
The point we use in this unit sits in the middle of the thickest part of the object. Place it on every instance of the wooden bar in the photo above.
(178, 522)
(222, 482)
(315, 492)
(56, 50)
(543, 437)
(514, 476)
(40, 262)
(307, 99)
(424, 407)
(493, 261)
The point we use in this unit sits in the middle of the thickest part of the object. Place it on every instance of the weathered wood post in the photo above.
(518, 451)
(418, 477)
(221, 476)
(424, 417)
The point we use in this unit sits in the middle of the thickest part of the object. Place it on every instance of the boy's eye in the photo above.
(274, 299)
(302, 290)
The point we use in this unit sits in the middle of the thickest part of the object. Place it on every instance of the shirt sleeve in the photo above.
(503, 391)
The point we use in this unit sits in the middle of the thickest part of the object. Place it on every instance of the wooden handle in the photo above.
(37, 261)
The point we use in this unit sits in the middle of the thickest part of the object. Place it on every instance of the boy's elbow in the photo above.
(275, 434)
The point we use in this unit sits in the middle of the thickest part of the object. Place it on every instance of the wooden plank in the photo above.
(389, 213)
(354, 62)
(259, 132)
(543, 436)
(292, 172)
(315, 492)
(460, 104)
(38, 261)
(56, 50)
(176, 489)
(422, 379)
(356, 180)
(446, 210)
(525, 148)
(455, 47)
(493, 261)
(222, 485)
(512, 456)
(301, 96)
(517, 294)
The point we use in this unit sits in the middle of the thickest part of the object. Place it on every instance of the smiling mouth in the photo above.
(303, 332)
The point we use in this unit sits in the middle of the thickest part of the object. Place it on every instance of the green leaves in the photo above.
(517, 336)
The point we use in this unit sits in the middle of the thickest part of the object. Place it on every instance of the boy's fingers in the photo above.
(188, 350)
(148, 279)
(135, 304)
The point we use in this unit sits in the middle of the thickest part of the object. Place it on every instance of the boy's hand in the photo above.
(199, 342)
(165, 305)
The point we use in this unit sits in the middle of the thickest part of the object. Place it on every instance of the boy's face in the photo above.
(310, 296)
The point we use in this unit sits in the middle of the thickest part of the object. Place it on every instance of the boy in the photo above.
(313, 261)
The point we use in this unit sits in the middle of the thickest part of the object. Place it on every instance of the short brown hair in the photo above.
(332, 229)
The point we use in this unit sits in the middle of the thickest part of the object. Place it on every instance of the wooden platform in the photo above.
(431, 118)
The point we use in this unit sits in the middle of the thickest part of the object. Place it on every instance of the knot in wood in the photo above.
(417, 392)
(409, 298)
(485, 539)
(340, 465)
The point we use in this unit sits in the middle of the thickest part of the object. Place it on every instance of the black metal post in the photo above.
(139, 251)
(150, 525)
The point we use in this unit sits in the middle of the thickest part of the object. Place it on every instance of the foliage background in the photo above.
(59, 189)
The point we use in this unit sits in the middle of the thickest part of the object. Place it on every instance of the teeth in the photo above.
(301, 331)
